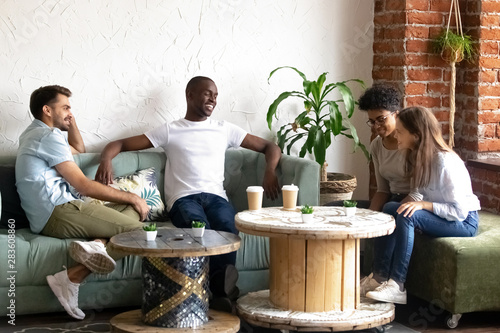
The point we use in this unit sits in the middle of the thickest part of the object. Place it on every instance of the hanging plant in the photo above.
(453, 48)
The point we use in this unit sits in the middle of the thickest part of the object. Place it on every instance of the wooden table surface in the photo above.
(176, 242)
(329, 223)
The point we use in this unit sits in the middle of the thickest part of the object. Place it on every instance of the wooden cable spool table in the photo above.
(175, 281)
(314, 269)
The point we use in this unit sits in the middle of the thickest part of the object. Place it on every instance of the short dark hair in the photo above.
(45, 96)
(380, 96)
(195, 81)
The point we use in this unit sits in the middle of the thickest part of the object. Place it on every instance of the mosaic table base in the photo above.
(175, 291)
(257, 309)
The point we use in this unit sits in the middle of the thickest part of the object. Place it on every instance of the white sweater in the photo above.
(449, 189)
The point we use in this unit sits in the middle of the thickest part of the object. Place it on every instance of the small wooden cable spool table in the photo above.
(314, 270)
(175, 281)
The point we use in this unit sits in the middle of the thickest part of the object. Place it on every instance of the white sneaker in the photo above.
(388, 292)
(93, 255)
(368, 283)
(66, 292)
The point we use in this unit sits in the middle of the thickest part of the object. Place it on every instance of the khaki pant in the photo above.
(78, 219)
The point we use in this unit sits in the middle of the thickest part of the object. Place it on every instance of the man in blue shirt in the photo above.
(46, 178)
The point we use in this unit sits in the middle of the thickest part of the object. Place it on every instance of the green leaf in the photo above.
(303, 119)
(307, 105)
(295, 139)
(328, 138)
(274, 106)
(282, 136)
(316, 88)
(308, 87)
(295, 69)
(303, 150)
(347, 97)
(311, 138)
(357, 143)
(335, 118)
(319, 147)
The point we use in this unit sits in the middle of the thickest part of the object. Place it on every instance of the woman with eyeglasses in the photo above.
(382, 103)
(448, 207)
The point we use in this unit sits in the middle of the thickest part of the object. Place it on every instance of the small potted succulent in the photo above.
(198, 228)
(350, 207)
(307, 213)
(151, 231)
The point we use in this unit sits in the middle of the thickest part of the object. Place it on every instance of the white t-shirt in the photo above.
(195, 155)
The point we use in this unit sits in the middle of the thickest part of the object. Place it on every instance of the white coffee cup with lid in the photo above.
(254, 195)
(290, 193)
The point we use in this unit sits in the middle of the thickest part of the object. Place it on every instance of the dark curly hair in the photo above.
(380, 96)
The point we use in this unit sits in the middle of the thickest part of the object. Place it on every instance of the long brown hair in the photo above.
(422, 123)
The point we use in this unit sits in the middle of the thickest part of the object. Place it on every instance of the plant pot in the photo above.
(151, 235)
(451, 55)
(307, 218)
(338, 186)
(198, 232)
(350, 211)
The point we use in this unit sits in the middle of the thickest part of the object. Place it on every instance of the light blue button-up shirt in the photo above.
(39, 185)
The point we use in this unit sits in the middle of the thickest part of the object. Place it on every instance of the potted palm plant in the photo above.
(323, 117)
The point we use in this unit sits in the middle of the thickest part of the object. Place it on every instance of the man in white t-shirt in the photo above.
(194, 172)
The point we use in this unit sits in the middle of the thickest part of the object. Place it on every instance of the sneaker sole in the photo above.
(97, 262)
(53, 284)
(383, 299)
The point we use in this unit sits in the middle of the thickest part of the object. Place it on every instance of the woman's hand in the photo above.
(408, 208)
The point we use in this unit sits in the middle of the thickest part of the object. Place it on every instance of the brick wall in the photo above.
(403, 30)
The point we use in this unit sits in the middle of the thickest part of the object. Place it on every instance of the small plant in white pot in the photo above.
(151, 231)
(307, 213)
(350, 207)
(198, 228)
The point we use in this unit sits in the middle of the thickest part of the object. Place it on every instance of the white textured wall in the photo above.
(127, 62)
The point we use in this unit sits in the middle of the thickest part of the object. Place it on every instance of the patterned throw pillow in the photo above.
(142, 183)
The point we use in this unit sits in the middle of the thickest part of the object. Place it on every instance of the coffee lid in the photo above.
(290, 188)
(255, 189)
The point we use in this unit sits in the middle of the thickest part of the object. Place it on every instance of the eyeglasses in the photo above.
(379, 121)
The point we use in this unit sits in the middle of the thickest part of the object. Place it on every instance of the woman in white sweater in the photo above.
(448, 207)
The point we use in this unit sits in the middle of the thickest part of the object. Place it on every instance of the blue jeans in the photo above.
(215, 211)
(393, 252)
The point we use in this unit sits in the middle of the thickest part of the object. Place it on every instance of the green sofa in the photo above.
(37, 256)
(454, 274)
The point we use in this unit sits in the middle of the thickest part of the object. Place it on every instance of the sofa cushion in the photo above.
(11, 204)
(142, 183)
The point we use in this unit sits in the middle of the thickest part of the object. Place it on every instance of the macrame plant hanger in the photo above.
(453, 59)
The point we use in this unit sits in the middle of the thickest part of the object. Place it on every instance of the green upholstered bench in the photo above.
(459, 275)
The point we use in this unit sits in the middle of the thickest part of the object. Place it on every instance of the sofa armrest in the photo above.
(245, 168)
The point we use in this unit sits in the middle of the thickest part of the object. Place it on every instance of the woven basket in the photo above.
(339, 186)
